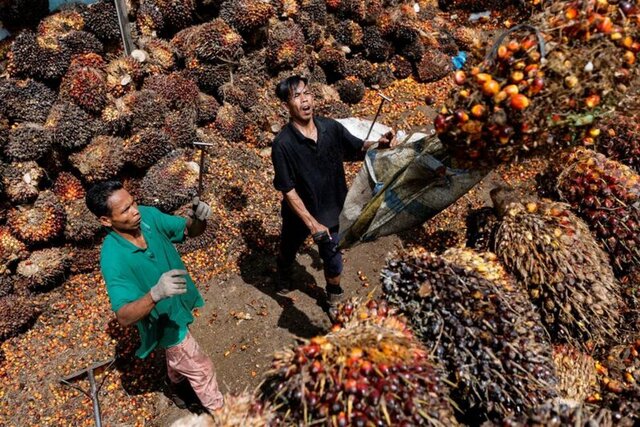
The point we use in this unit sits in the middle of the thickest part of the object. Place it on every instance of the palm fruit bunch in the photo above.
(351, 90)
(244, 410)
(231, 122)
(6, 284)
(21, 181)
(147, 109)
(86, 258)
(86, 86)
(18, 314)
(557, 414)
(11, 250)
(212, 41)
(146, 147)
(246, 16)
(207, 108)
(161, 56)
(28, 141)
(81, 224)
(32, 56)
(576, 371)
(116, 117)
(353, 313)
(517, 103)
(481, 226)
(70, 126)
(25, 100)
(553, 254)
(606, 194)
(285, 45)
(366, 374)
(479, 324)
(102, 159)
(619, 375)
(68, 187)
(180, 126)
(619, 140)
(101, 19)
(164, 17)
(39, 223)
(241, 90)
(123, 75)
(44, 269)
(170, 183)
(175, 88)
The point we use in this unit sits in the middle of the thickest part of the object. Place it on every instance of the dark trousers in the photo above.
(293, 235)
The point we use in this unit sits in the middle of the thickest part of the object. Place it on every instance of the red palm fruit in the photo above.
(490, 88)
(519, 102)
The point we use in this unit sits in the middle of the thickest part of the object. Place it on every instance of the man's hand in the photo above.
(317, 229)
(170, 283)
(388, 140)
(199, 210)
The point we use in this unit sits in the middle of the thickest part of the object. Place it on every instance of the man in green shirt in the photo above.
(148, 284)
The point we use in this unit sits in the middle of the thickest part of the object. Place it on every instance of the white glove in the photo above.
(199, 210)
(170, 283)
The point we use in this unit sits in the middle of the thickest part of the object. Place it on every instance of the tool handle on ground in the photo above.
(200, 172)
(375, 118)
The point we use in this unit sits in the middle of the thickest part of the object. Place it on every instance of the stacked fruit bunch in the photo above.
(577, 380)
(543, 83)
(366, 374)
(562, 414)
(354, 313)
(619, 375)
(620, 140)
(553, 254)
(606, 194)
(480, 325)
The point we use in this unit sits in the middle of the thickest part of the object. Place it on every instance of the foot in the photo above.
(175, 392)
(283, 285)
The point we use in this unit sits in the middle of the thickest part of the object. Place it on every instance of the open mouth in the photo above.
(306, 109)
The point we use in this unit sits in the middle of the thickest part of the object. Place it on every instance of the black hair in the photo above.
(98, 195)
(286, 87)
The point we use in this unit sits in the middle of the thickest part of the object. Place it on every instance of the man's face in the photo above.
(125, 215)
(301, 103)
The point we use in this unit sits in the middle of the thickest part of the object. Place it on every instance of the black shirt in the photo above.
(315, 170)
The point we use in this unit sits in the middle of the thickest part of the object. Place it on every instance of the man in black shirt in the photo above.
(308, 156)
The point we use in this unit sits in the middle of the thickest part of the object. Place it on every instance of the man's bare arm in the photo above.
(136, 310)
(296, 203)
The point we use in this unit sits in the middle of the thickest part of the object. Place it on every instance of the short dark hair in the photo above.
(286, 87)
(98, 195)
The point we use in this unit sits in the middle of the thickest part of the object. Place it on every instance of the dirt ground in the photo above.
(244, 321)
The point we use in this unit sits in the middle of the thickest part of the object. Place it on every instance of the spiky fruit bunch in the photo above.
(21, 181)
(85, 259)
(244, 409)
(479, 324)
(149, 20)
(180, 126)
(577, 380)
(351, 90)
(366, 374)
(161, 55)
(560, 414)
(176, 89)
(333, 61)
(90, 60)
(30, 56)
(81, 42)
(401, 66)
(246, 15)
(332, 108)
(619, 139)
(349, 33)
(116, 118)
(85, 86)
(40, 223)
(81, 224)
(212, 42)
(60, 23)
(170, 183)
(285, 45)
(18, 314)
(315, 9)
(25, 100)
(6, 284)
(619, 375)
(146, 147)
(207, 108)
(209, 76)
(148, 109)
(44, 269)
(231, 122)
(28, 141)
(124, 75)
(176, 14)
(68, 187)
(102, 159)
(314, 33)
(433, 66)
(70, 126)
(362, 69)
(11, 249)
(242, 91)
(606, 195)
(537, 241)
(376, 48)
(363, 11)
(101, 19)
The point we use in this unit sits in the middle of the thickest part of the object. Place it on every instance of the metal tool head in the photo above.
(81, 373)
(202, 144)
(386, 98)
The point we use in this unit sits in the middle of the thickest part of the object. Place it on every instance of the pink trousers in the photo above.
(187, 360)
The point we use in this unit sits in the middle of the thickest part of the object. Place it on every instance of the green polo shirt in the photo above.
(130, 272)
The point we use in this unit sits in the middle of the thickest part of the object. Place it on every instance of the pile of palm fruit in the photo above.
(369, 370)
(544, 84)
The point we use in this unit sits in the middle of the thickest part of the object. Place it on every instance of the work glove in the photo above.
(199, 210)
(170, 283)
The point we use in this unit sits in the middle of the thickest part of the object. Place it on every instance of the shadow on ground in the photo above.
(258, 267)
